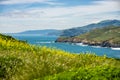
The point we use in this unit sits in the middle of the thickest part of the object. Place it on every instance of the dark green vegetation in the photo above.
(21, 61)
(81, 30)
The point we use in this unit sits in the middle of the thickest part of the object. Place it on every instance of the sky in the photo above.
(22, 15)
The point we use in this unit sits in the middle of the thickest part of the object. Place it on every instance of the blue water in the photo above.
(49, 42)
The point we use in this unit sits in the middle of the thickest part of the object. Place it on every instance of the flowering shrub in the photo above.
(21, 61)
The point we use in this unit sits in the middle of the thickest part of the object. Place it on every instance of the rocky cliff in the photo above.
(90, 43)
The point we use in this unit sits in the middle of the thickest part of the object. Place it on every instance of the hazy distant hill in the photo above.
(46, 32)
(84, 29)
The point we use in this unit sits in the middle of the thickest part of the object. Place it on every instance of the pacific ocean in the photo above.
(49, 41)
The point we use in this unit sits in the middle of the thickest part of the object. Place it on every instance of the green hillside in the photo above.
(111, 34)
(21, 61)
(105, 37)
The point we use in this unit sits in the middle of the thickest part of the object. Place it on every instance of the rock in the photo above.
(105, 44)
(87, 42)
(76, 40)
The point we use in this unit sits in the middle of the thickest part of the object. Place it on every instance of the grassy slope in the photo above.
(21, 61)
(111, 34)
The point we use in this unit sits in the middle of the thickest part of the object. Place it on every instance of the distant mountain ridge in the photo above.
(80, 30)
(71, 32)
(45, 32)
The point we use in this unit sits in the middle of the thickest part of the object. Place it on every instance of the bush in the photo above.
(97, 73)
(9, 66)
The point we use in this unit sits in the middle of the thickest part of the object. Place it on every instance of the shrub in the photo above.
(9, 66)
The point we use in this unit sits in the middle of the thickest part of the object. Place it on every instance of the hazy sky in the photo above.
(21, 15)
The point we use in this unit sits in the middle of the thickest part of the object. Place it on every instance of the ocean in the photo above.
(49, 41)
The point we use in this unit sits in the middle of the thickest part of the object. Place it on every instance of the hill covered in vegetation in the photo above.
(105, 37)
(21, 61)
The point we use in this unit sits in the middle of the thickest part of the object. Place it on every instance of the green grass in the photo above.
(88, 73)
(21, 61)
(111, 34)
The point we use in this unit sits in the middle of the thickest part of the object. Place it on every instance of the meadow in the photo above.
(22, 61)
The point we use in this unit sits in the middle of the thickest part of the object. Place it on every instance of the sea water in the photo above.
(49, 41)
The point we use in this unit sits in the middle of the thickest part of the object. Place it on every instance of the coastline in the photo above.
(113, 48)
(85, 42)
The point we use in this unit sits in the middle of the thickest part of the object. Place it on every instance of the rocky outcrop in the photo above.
(90, 43)
(64, 40)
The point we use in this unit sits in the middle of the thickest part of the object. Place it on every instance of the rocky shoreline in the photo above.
(106, 43)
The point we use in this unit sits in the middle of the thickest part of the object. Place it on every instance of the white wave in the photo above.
(96, 46)
(115, 48)
(80, 44)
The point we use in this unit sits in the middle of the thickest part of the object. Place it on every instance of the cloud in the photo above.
(98, 7)
(62, 17)
(6, 2)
